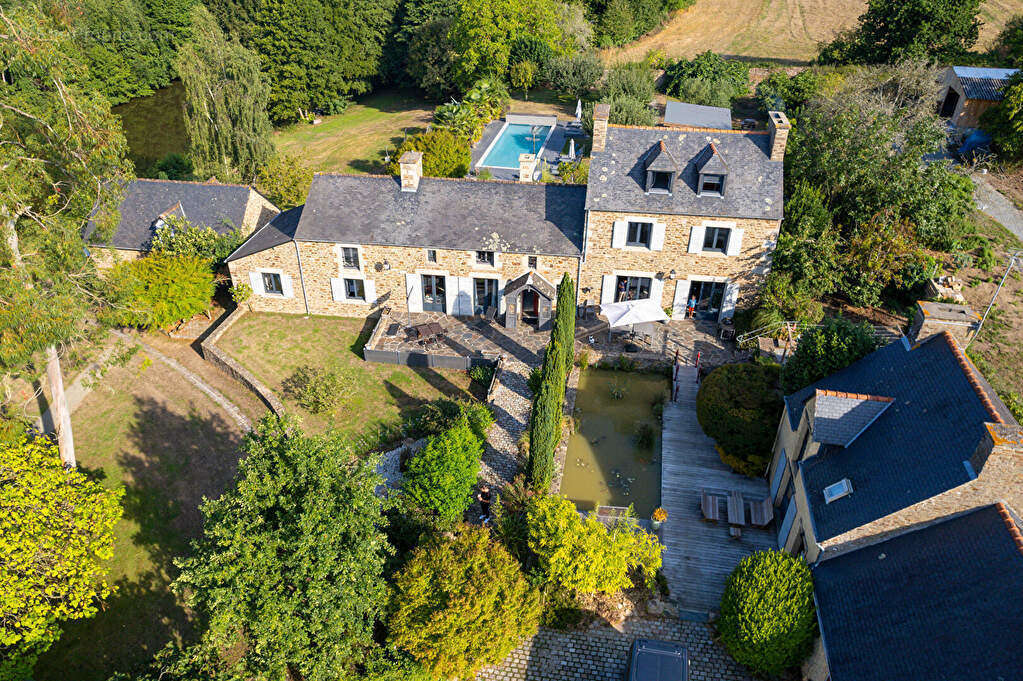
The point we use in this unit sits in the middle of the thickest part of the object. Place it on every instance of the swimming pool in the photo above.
(515, 139)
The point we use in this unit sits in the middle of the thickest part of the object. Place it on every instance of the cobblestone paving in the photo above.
(600, 653)
(511, 405)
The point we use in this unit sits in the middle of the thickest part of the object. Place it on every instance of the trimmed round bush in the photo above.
(767, 617)
(822, 351)
(739, 406)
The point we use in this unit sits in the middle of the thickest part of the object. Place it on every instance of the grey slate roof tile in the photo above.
(659, 158)
(617, 175)
(545, 219)
(840, 417)
(280, 230)
(531, 279)
(940, 603)
(915, 449)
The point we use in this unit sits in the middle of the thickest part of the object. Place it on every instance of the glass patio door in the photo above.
(484, 294)
(433, 293)
(708, 295)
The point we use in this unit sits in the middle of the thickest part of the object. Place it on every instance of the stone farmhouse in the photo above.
(892, 453)
(669, 214)
(147, 203)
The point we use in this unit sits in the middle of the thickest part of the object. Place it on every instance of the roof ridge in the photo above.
(971, 373)
(1010, 523)
(695, 129)
(854, 396)
(203, 183)
(467, 180)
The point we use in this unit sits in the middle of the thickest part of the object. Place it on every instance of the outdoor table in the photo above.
(427, 330)
(736, 509)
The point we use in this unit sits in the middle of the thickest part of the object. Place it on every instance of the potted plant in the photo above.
(657, 517)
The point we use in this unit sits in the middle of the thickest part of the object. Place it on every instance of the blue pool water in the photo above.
(515, 139)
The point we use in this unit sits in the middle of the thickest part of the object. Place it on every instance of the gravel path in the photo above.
(999, 208)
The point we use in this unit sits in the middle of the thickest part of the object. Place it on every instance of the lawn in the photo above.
(781, 30)
(274, 346)
(148, 429)
(357, 140)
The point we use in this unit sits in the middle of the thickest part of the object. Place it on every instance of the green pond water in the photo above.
(606, 464)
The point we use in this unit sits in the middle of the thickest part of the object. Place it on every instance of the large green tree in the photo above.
(892, 30)
(56, 530)
(291, 561)
(225, 103)
(61, 161)
(1005, 121)
(823, 350)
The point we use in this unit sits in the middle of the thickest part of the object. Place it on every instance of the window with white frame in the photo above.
(638, 234)
(715, 239)
(632, 288)
(485, 258)
(355, 289)
(350, 257)
(272, 284)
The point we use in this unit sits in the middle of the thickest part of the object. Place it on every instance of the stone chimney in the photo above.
(601, 112)
(527, 163)
(411, 163)
(998, 462)
(933, 317)
(779, 126)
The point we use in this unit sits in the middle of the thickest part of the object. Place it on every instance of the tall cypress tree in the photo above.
(564, 318)
(225, 102)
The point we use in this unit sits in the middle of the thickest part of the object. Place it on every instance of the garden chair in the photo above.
(711, 507)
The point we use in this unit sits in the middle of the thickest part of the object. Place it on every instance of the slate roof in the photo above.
(943, 602)
(617, 175)
(278, 231)
(840, 417)
(983, 83)
(531, 279)
(697, 115)
(220, 206)
(915, 449)
(659, 158)
(544, 219)
(712, 161)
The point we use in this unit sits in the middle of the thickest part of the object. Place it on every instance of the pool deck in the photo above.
(699, 555)
(551, 151)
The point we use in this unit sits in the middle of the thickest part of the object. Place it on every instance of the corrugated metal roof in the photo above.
(697, 115)
(983, 83)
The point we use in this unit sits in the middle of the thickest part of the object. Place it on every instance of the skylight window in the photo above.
(840, 489)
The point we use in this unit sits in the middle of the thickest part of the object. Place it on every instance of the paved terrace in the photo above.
(698, 555)
(551, 151)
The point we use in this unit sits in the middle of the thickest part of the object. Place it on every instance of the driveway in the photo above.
(996, 206)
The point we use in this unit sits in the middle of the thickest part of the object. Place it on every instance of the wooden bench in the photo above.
(711, 506)
(761, 512)
(736, 509)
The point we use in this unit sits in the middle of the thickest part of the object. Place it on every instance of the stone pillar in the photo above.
(411, 163)
(998, 463)
(601, 113)
(934, 317)
(779, 126)
(527, 163)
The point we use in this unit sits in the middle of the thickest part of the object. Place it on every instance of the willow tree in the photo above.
(61, 164)
(225, 102)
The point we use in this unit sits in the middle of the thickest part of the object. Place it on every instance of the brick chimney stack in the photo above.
(601, 113)
(411, 163)
(779, 126)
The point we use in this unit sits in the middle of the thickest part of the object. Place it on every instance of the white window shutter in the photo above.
(696, 238)
(450, 294)
(657, 290)
(657, 236)
(287, 287)
(337, 289)
(607, 289)
(370, 288)
(500, 297)
(414, 292)
(678, 303)
(728, 301)
(618, 233)
(735, 241)
(464, 306)
(256, 282)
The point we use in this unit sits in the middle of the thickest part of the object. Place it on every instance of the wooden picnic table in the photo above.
(736, 509)
(427, 330)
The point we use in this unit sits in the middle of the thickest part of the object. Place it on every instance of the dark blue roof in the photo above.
(914, 450)
(941, 603)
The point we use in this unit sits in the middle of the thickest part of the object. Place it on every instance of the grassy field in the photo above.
(274, 346)
(154, 126)
(148, 429)
(782, 30)
(357, 140)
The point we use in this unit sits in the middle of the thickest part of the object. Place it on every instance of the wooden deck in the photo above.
(699, 555)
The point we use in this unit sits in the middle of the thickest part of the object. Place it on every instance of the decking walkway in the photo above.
(699, 556)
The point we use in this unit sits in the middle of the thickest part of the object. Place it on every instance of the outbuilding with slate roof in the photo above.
(968, 91)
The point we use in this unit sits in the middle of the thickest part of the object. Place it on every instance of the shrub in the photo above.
(546, 418)
(782, 92)
(767, 617)
(1004, 122)
(534, 380)
(739, 406)
(318, 390)
(822, 351)
(728, 76)
(284, 180)
(703, 92)
(481, 374)
(575, 75)
(445, 154)
(563, 332)
(577, 172)
(178, 236)
(529, 48)
(631, 80)
(440, 477)
(173, 166)
(240, 293)
(159, 290)
(808, 246)
(584, 555)
(461, 603)
(624, 111)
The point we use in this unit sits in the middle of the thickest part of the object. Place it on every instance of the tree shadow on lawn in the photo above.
(171, 461)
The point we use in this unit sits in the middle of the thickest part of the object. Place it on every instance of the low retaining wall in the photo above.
(571, 388)
(426, 359)
(226, 363)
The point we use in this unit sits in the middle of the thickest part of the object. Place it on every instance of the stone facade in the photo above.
(746, 269)
(105, 258)
(384, 266)
(958, 320)
(967, 112)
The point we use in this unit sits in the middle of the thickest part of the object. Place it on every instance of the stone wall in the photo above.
(228, 364)
(320, 262)
(105, 258)
(257, 205)
(748, 269)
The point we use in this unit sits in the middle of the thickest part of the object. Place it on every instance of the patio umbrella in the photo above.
(578, 109)
(632, 312)
(571, 147)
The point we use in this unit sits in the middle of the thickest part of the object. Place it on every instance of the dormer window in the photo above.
(661, 169)
(660, 182)
(712, 185)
